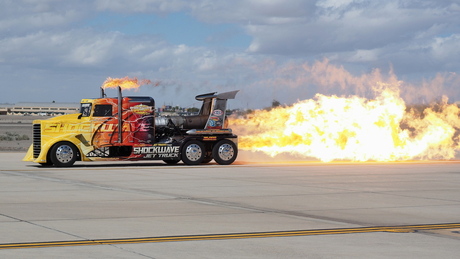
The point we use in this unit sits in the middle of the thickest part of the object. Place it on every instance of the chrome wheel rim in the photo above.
(226, 152)
(193, 152)
(64, 154)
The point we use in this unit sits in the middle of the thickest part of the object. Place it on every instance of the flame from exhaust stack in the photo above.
(337, 128)
(126, 83)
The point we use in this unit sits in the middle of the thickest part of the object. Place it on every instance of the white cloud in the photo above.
(364, 55)
(28, 16)
(365, 25)
(48, 39)
(141, 6)
(334, 4)
(446, 48)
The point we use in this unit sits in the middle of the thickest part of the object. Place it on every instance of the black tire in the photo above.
(47, 164)
(225, 152)
(171, 162)
(193, 152)
(63, 154)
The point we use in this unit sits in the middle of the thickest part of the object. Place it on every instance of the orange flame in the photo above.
(125, 83)
(354, 128)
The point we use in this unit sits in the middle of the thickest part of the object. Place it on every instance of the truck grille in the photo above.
(37, 141)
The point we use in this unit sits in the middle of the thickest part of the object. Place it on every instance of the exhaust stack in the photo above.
(103, 95)
(120, 114)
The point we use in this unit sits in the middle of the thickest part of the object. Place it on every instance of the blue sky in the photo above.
(52, 50)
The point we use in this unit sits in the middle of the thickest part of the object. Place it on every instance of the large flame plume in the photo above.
(353, 128)
(126, 83)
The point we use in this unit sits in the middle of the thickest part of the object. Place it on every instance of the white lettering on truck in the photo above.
(156, 150)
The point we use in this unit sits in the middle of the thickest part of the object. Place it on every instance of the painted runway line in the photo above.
(311, 232)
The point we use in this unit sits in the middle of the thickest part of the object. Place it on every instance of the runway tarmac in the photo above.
(251, 209)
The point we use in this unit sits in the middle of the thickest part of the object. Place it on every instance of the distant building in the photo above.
(40, 108)
(5, 108)
(54, 109)
(3, 111)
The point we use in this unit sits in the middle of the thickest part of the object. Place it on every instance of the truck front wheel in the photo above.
(224, 152)
(63, 154)
(193, 152)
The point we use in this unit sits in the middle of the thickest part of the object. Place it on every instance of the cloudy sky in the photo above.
(52, 50)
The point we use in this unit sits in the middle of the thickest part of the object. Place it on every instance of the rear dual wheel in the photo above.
(193, 152)
(224, 152)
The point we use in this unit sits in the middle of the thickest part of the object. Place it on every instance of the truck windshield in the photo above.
(85, 109)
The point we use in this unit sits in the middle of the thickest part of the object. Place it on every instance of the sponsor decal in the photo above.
(213, 131)
(217, 113)
(141, 109)
(214, 122)
(209, 138)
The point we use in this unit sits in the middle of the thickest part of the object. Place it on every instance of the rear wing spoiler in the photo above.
(217, 107)
(222, 96)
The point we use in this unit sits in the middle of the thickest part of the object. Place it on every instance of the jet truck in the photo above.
(127, 128)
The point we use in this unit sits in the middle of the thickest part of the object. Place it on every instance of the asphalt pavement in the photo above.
(251, 209)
